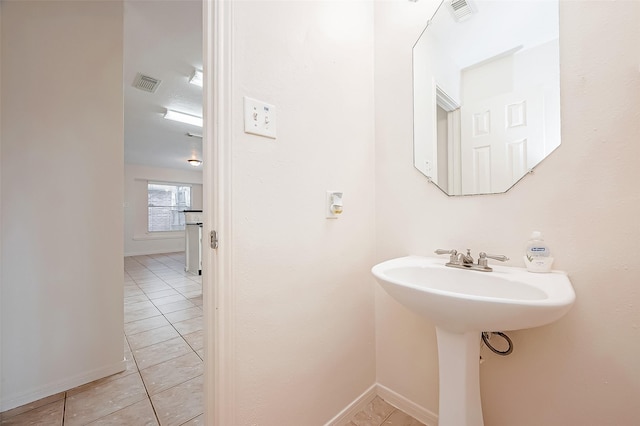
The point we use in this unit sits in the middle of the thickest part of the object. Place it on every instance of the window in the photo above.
(167, 201)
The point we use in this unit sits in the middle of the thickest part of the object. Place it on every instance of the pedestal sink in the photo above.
(464, 303)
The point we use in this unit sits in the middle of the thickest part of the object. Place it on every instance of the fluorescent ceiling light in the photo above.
(183, 118)
(196, 78)
(194, 162)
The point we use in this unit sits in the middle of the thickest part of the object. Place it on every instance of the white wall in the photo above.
(1, 351)
(137, 240)
(583, 369)
(62, 183)
(303, 292)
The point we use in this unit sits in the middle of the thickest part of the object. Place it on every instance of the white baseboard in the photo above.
(13, 401)
(400, 402)
(149, 252)
(416, 411)
(356, 406)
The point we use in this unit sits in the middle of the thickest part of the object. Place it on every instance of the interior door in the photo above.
(501, 138)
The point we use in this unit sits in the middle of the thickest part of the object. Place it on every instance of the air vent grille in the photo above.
(146, 83)
(461, 9)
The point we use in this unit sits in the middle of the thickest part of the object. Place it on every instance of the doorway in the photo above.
(164, 314)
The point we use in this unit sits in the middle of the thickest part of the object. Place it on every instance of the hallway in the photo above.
(162, 383)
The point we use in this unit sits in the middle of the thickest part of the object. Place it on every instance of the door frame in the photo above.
(218, 292)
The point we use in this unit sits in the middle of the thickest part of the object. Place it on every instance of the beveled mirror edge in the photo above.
(529, 172)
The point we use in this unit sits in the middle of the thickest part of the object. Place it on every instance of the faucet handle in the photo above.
(482, 258)
(453, 253)
(442, 251)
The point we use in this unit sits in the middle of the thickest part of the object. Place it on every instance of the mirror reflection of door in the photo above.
(504, 119)
(500, 115)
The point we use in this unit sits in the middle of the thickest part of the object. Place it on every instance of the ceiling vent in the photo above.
(461, 9)
(146, 83)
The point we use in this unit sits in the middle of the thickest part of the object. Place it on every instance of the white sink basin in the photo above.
(462, 304)
(460, 300)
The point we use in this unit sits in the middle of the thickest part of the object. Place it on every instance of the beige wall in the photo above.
(304, 301)
(583, 369)
(62, 184)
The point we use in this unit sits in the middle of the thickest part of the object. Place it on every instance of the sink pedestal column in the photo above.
(459, 368)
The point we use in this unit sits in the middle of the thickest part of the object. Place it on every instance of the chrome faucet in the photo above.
(465, 261)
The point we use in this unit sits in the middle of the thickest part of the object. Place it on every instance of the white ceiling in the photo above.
(162, 39)
(496, 27)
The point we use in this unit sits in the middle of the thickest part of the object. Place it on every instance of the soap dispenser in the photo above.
(537, 256)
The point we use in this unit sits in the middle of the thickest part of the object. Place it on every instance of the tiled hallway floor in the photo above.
(162, 383)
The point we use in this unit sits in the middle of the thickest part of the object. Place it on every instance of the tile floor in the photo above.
(380, 413)
(162, 383)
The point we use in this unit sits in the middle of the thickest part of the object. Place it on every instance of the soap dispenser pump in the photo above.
(537, 256)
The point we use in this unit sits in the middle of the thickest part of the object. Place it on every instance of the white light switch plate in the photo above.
(259, 118)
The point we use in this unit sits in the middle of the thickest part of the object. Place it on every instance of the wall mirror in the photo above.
(486, 81)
